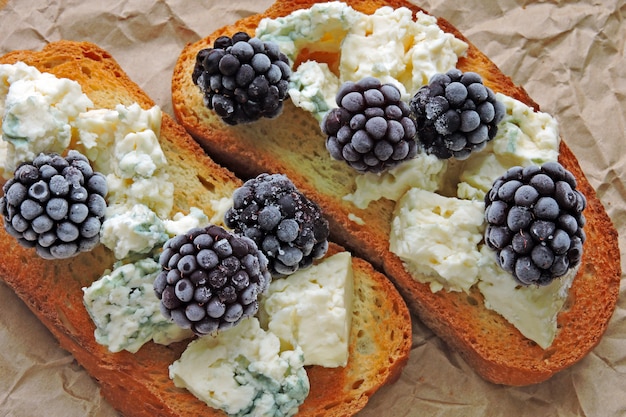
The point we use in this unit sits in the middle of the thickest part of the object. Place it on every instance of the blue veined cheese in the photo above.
(138, 230)
(243, 372)
(126, 311)
(394, 48)
(388, 45)
(38, 111)
(531, 309)
(131, 230)
(313, 88)
(424, 172)
(312, 309)
(524, 137)
(322, 26)
(437, 239)
(124, 145)
(100, 129)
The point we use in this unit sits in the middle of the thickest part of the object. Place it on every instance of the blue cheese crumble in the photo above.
(243, 372)
(126, 311)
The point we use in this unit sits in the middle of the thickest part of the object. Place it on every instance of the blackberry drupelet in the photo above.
(371, 129)
(285, 225)
(210, 279)
(535, 222)
(55, 205)
(456, 114)
(242, 78)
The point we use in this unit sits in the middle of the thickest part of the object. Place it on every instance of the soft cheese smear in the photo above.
(347, 45)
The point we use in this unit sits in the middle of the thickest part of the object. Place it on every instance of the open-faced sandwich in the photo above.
(428, 161)
(114, 235)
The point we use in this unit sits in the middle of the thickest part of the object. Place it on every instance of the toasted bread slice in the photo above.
(138, 384)
(294, 144)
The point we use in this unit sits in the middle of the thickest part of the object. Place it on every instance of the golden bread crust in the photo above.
(293, 144)
(138, 384)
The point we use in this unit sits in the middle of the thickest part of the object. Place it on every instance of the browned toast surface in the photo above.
(138, 384)
(294, 144)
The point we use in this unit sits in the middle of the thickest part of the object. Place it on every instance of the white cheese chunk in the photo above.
(436, 237)
(424, 172)
(312, 308)
(532, 309)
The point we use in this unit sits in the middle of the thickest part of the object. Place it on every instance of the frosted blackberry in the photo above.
(285, 225)
(242, 78)
(371, 129)
(535, 222)
(210, 279)
(456, 114)
(55, 205)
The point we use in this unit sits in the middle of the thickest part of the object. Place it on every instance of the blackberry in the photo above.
(242, 78)
(55, 205)
(210, 279)
(371, 129)
(456, 114)
(535, 222)
(285, 225)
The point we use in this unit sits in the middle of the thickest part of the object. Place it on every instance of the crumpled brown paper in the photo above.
(568, 55)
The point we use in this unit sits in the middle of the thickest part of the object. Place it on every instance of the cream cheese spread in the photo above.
(313, 309)
(243, 371)
(347, 45)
